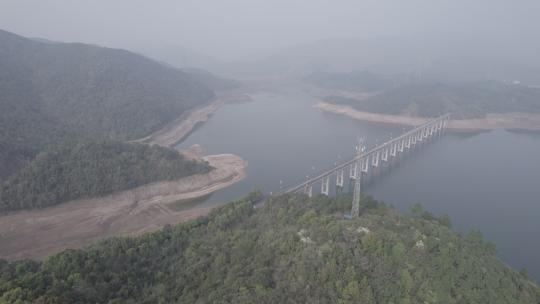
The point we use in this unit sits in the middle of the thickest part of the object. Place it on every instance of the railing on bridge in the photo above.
(364, 161)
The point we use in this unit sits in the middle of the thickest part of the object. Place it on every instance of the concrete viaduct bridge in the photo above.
(365, 161)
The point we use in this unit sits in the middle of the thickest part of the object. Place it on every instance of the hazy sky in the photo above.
(231, 29)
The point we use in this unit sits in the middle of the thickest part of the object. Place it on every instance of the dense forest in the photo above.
(56, 91)
(70, 171)
(290, 250)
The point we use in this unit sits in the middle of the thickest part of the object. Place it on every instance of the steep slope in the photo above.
(291, 250)
(53, 91)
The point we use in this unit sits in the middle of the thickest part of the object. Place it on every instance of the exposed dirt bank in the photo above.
(75, 224)
(522, 121)
(38, 233)
(184, 125)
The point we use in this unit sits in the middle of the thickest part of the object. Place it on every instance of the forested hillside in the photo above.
(54, 91)
(70, 171)
(467, 100)
(291, 250)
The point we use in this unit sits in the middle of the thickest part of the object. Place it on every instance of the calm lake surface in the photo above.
(488, 182)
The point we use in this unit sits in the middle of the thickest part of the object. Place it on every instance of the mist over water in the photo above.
(486, 181)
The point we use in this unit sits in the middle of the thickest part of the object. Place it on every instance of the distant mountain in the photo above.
(210, 80)
(426, 58)
(292, 249)
(53, 91)
(363, 81)
(464, 100)
(177, 56)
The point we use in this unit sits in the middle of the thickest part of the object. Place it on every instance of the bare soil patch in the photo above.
(39, 233)
(79, 223)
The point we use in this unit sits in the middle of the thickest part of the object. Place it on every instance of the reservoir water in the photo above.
(488, 181)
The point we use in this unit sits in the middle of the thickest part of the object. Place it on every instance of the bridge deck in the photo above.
(365, 154)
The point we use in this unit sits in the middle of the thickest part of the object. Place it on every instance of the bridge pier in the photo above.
(394, 149)
(384, 154)
(340, 178)
(365, 164)
(325, 185)
(375, 160)
(308, 190)
(355, 209)
(353, 170)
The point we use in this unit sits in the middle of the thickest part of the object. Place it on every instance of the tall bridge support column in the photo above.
(355, 210)
(308, 190)
(444, 124)
(325, 185)
(384, 154)
(340, 174)
(375, 159)
(353, 170)
(394, 149)
(365, 164)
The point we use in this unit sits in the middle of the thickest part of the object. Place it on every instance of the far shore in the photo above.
(510, 121)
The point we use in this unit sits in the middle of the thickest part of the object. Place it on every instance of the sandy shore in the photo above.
(39, 233)
(183, 126)
(522, 121)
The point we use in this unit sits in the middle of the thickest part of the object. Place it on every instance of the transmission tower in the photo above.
(355, 212)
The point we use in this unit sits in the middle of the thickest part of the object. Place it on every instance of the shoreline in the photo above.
(510, 121)
(179, 129)
(39, 233)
